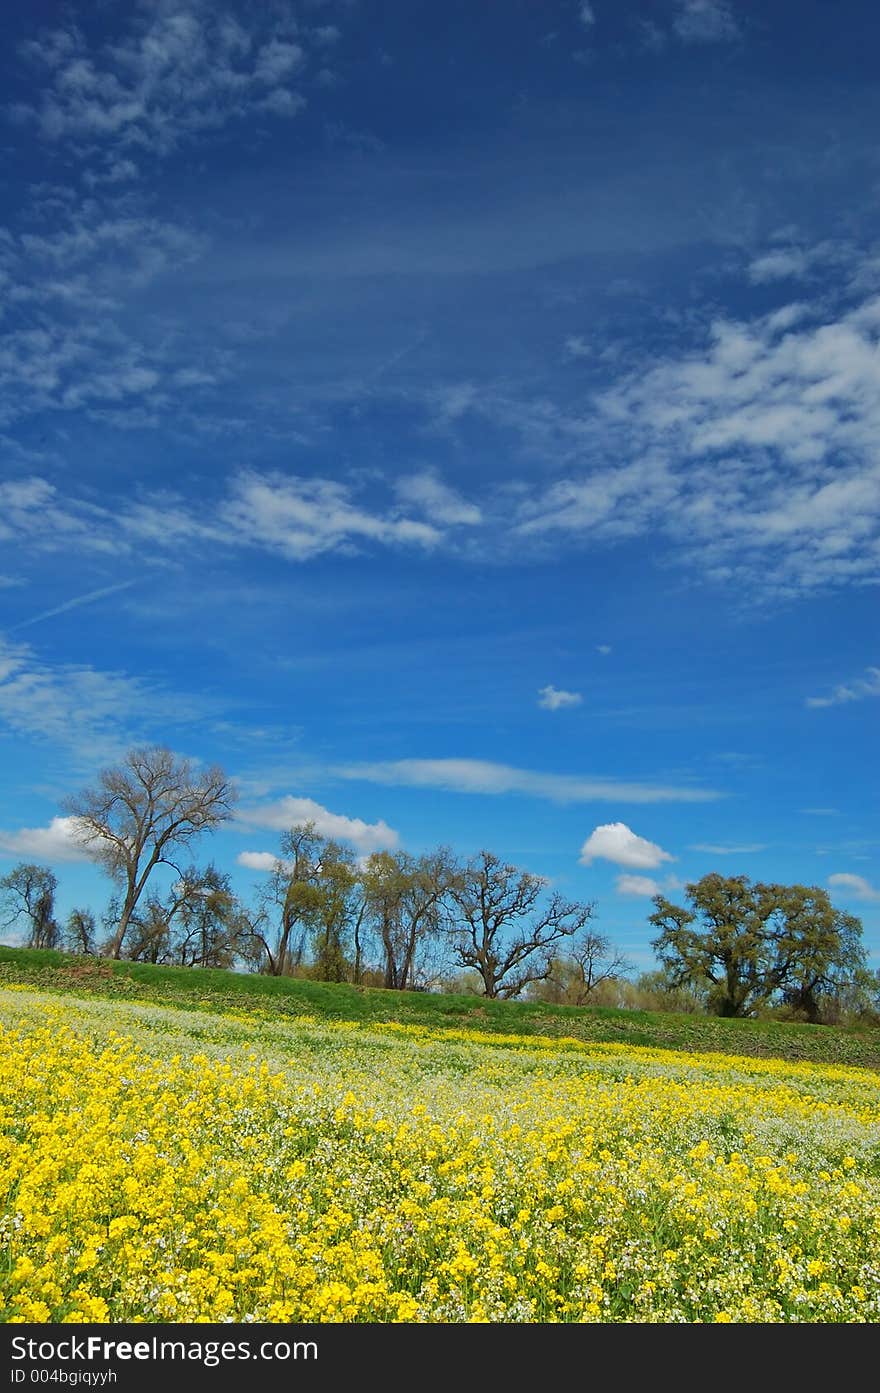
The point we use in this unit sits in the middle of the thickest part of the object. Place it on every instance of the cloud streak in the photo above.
(485, 777)
(90, 598)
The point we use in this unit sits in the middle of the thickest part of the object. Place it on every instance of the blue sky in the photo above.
(459, 421)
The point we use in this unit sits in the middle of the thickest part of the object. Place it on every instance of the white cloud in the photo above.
(756, 456)
(855, 885)
(177, 71)
(91, 712)
(577, 347)
(603, 648)
(436, 501)
(586, 14)
(637, 885)
(614, 841)
(645, 885)
(554, 699)
(854, 691)
(301, 518)
(712, 850)
(297, 518)
(259, 861)
(285, 813)
(786, 263)
(102, 594)
(705, 21)
(57, 842)
(276, 60)
(483, 776)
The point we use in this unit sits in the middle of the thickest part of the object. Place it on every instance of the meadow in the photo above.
(164, 1163)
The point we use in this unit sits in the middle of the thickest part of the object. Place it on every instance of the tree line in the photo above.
(432, 921)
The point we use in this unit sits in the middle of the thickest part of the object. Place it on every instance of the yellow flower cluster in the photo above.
(159, 1165)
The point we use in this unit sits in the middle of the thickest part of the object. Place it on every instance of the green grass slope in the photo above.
(243, 993)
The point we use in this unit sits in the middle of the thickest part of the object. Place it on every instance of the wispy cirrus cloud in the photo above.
(688, 22)
(160, 77)
(712, 849)
(301, 518)
(436, 501)
(91, 597)
(295, 517)
(484, 776)
(705, 22)
(844, 693)
(90, 712)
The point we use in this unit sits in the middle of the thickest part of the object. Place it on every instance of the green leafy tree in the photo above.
(749, 944)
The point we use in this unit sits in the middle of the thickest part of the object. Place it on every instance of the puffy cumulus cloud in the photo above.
(615, 842)
(287, 812)
(57, 842)
(855, 885)
(554, 699)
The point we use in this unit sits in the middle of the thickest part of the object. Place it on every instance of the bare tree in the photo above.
(140, 812)
(28, 892)
(503, 930)
(588, 961)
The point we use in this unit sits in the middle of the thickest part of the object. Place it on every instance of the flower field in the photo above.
(164, 1165)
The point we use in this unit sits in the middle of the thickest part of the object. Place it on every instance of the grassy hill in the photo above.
(267, 997)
